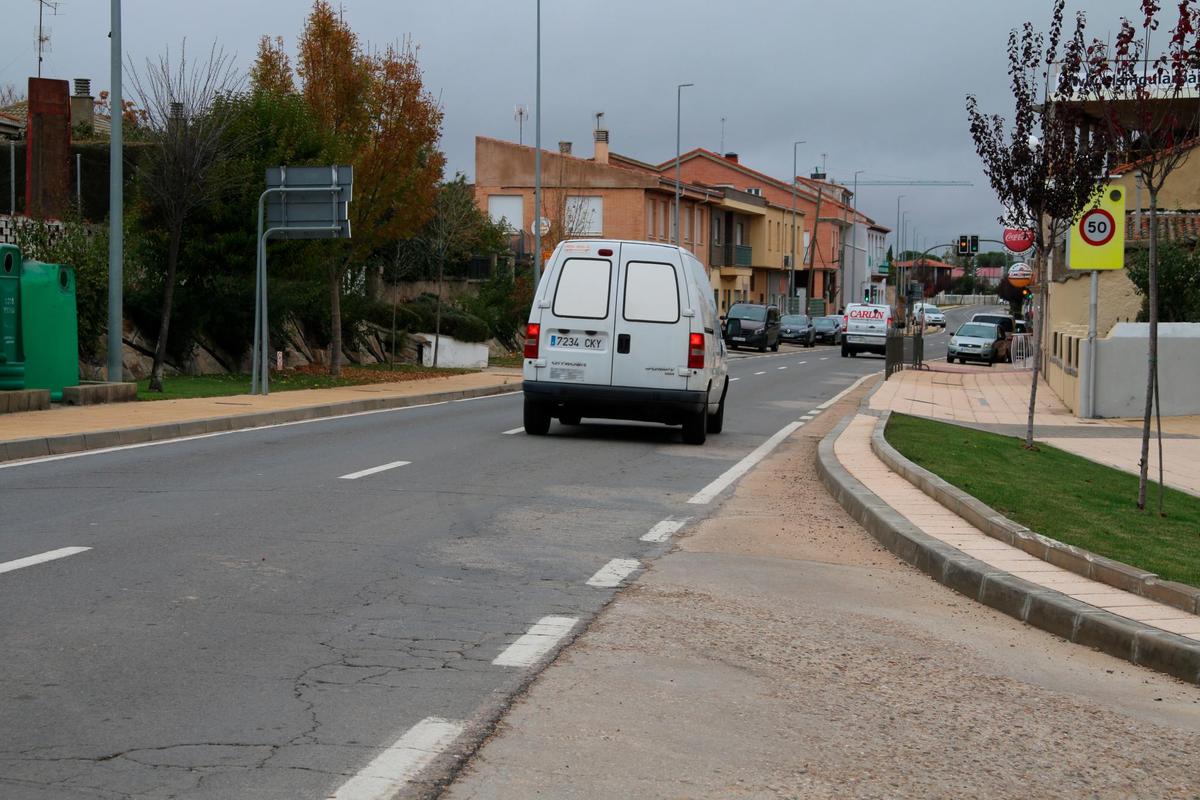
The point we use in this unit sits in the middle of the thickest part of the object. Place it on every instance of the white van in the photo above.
(625, 330)
(865, 327)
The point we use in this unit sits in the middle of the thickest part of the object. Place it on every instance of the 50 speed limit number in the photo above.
(1097, 227)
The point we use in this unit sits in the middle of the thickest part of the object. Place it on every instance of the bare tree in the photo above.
(1149, 107)
(1046, 167)
(189, 111)
(10, 94)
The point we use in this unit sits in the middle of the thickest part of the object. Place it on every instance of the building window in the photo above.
(650, 220)
(662, 219)
(716, 228)
(584, 216)
(699, 228)
(507, 208)
(686, 219)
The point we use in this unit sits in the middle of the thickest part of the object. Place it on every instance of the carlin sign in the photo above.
(1018, 240)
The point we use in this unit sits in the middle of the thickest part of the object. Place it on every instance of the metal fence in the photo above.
(903, 352)
(944, 299)
(1021, 350)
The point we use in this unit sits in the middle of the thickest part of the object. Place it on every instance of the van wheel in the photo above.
(537, 419)
(775, 347)
(762, 348)
(716, 422)
(569, 418)
(695, 427)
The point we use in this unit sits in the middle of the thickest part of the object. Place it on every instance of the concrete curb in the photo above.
(18, 449)
(1043, 608)
(994, 524)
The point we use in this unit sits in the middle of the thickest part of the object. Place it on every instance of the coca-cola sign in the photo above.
(1018, 240)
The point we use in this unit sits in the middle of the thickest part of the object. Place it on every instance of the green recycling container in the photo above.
(49, 327)
(12, 355)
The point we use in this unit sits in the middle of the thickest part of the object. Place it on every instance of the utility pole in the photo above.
(537, 166)
(116, 200)
(812, 246)
(795, 180)
(678, 108)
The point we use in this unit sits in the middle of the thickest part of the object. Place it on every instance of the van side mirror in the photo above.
(722, 318)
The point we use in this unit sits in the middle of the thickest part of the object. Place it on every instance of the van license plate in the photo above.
(738, 338)
(576, 342)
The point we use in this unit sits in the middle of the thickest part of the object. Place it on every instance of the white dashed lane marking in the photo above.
(781, 368)
(396, 766)
(541, 639)
(663, 530)
(612, 573)
(514, 430)
(41, 558)
(760, 373)
(362, 473)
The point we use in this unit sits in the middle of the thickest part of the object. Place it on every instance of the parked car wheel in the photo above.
(537, 419)
(845, 351)
(949, 359)
(775, 347)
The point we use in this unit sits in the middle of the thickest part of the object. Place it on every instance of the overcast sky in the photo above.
(871, 85)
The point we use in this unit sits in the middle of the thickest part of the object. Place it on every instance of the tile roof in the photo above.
(1173, 226)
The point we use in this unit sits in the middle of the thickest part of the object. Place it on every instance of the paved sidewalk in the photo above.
(998, 401)
(853, 450)
(81, 420)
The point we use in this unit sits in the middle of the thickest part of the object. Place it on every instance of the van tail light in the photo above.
(696, 351)
(889, 322)
(533, 332)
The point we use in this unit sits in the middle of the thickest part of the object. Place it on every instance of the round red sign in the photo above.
(1018, 240)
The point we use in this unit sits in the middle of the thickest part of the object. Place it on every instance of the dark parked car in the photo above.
(752, 325)
(798, 329)
(828, 329)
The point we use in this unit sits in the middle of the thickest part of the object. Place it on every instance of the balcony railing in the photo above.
(731, 255)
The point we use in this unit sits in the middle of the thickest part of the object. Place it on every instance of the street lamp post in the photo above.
(792, 283)
(853, 240)
(896, 241)
(537, 158)
(678, 108)
(115, 205)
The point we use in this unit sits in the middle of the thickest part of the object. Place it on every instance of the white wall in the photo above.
(1121, 369)
(452, 352)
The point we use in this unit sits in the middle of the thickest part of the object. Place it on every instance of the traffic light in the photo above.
(974, 244)
(964, 245)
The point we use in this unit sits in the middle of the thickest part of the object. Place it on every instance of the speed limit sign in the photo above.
(1097, 227)
(1097, 238)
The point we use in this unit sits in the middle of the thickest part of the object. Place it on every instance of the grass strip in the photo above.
(177, 387)
(1059, 495)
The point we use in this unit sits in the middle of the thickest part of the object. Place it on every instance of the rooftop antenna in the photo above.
(43, 33)
(722, 150)
(520, 114)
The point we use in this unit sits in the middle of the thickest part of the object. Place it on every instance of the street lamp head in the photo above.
(684, 85)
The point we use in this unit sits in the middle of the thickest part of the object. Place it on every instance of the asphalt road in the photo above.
(261, 614)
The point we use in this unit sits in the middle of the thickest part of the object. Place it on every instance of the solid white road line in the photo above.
(739, 469)
(760, 373)
(101, 450)
(845, 391)
(612, 573)
(42, 558)
(400, 763)
(664, 530)
(521, 429)
(541, 639)
(362, 473)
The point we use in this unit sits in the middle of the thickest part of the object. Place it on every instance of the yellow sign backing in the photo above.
(1097, 238)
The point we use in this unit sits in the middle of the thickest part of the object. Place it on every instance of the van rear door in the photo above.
(578, 304)
(651, 329)
(864, 320)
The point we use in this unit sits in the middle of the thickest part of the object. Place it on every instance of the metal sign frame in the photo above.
(298, 203)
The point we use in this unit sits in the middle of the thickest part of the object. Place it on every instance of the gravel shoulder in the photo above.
(779, 652)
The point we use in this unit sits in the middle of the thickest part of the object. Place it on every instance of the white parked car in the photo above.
(865, 328)
(625, 330)
(931, 313)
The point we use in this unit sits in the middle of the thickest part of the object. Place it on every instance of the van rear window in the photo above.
(583, 287)
(651, 292)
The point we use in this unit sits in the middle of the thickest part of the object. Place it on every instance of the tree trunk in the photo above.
(1152, 355)
(1039, 325)
(335, 320)
(437, 317)
(168, 302)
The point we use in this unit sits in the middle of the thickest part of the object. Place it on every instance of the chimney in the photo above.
(731, 157)
(82, 104)
(601, 154)
(564, 148)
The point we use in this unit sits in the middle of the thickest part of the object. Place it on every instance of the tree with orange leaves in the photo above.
(272, 70)
(377, 115)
